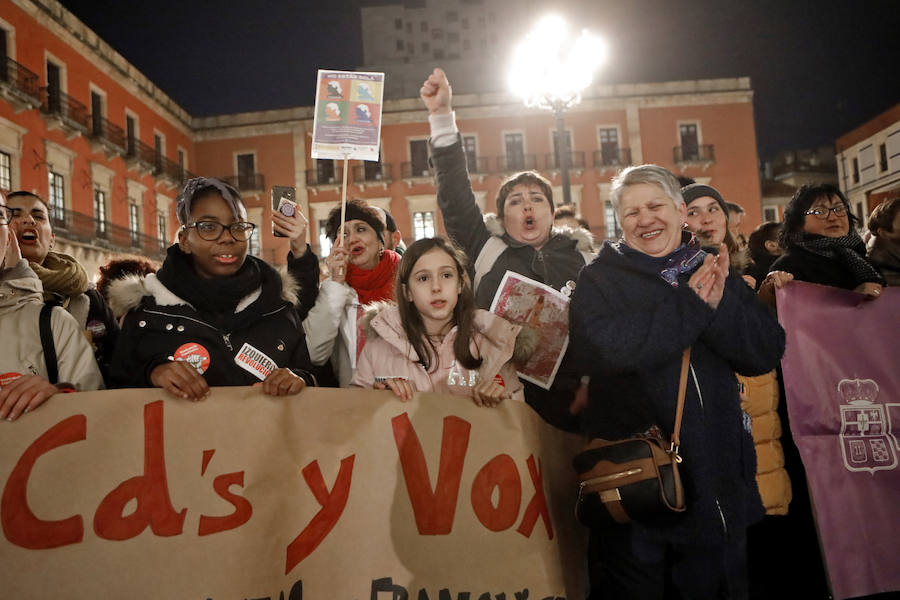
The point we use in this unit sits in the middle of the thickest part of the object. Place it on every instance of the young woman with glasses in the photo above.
(212, 315)
(821, 245)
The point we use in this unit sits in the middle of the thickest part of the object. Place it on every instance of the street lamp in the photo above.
(550, 70)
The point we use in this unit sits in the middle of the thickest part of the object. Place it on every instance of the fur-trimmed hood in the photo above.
(382, 320)
(583, 240)
(125, 294)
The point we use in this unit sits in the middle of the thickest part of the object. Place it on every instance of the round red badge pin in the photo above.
(7, 378)
(194, 354)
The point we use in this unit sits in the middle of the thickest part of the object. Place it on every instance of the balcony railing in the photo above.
(72, 114)
(19, 84)
(522, 162)
(171, 170)
(478, 164)
(380, 172)
(702, 153)
(139, 155)
(316, 177)
(410, 170)
(246, 182)
(90, 230)
(576, 160)
(108, 134)
(620, 157)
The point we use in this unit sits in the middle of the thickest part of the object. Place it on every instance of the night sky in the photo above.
(818, 69)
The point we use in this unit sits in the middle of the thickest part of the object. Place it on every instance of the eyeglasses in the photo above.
(5, 215)
(822, 213)
(212, 230)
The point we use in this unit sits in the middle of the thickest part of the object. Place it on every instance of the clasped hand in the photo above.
(708, 282)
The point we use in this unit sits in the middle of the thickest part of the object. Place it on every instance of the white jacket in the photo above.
(329, 328)
(21, 300)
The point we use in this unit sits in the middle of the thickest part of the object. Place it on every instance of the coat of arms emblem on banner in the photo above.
(867, 442)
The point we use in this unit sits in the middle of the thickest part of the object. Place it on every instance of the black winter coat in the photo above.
(814, 268)
(629, 328)
(161, 326)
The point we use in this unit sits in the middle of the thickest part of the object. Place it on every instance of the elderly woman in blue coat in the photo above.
(635, 309)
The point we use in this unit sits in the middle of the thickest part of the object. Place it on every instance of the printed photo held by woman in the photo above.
(520, 238)
(635, 309)
(64, 280)
(821, 245)
(214, 315)
(434, 339)
(26, 361)
(361, 271)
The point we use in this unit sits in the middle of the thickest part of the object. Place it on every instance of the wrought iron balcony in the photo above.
(88, 229)
(371, 172)
(139, 156)
(106, 136)
(317, 177)
(170, 171)
(576, 160)
(19, 86)
(246, 182)
(64, 112)
(620, 157)
(700, 154)
(480, 165)
(410, 170)
(521, 162)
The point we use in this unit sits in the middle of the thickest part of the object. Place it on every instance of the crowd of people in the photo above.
(416, 319)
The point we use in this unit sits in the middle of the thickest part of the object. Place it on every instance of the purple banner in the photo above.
(842, 383)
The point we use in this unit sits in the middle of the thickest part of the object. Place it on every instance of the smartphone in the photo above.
(284, 200)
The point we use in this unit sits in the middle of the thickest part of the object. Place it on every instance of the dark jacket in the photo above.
(814, 268)
(557, 262)
(159, 324)
(629, 328)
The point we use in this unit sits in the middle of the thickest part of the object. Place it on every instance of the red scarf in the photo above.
(376, 284)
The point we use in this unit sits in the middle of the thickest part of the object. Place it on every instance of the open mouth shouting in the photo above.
(529, 222)
(29, 237)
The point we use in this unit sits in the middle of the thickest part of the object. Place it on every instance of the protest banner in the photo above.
(347, 121)
(533, 304)
(843, 398)
(330, 494)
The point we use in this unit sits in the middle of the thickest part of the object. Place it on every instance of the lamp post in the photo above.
(549, 71)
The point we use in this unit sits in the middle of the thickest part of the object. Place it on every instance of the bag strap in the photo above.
(47, 343)
(679, 408)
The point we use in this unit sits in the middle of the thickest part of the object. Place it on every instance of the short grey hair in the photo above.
(652, 174)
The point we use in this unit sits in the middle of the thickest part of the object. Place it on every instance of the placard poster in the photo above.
(347, 122)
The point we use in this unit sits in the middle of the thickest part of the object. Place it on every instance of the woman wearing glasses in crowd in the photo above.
(24, 383)
(212, 315)
(821, 245)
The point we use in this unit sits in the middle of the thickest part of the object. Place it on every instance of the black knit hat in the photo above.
(357, 210)
(701, 190)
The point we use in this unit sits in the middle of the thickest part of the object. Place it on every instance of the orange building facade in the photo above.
(81, 127)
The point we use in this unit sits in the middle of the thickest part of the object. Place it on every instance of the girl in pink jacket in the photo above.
(434, 339)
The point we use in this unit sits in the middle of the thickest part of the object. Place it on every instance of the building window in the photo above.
(855, 170)
(423, 225)
(398, 23)
(882, 157)
(162, 229)
(437, 34)
(861, 215)
(100, 211)
(131, 132)
(609, 146)
(246, 167)
(612, 225)
(471, 150)
(426, 47)
(690, 145)
(452, 16)
(423, 27)
(515, 151)
(770, 213)
(57, 196)
(324, 241)
(54, 87)
(325, 170)
(96, 114)
(400, 45)
(410, 48)
(409, 27)
(418, 157)
(465, 23)
(5, 171)
(134, 223)
(158, 150)
(254, 246)
(439, 53)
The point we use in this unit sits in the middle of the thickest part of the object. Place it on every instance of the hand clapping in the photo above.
(708, 282)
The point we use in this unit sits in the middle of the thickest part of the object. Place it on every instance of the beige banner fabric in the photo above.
(327, 495)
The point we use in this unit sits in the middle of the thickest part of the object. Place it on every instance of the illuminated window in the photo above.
(423, 225)
(57, 196)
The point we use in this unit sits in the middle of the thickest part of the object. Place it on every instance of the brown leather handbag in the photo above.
(635, 479)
